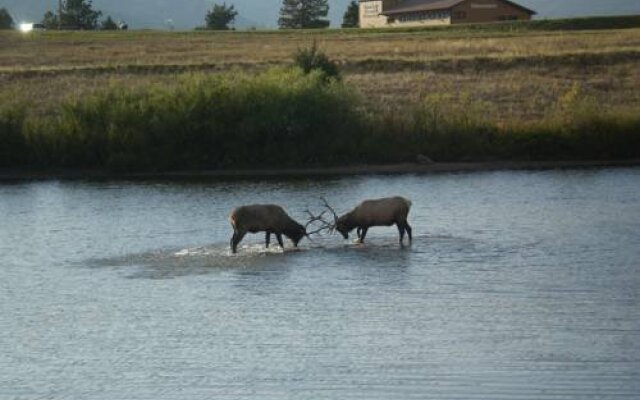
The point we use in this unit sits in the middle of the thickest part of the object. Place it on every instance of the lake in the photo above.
(518, 285)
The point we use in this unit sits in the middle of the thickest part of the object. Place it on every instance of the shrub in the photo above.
(311, 59)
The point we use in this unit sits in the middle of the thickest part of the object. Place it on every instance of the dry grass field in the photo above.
(511, 75)
(94, 49)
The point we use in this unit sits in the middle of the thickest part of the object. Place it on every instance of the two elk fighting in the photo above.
(273, 219)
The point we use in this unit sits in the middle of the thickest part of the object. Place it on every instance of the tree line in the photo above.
(294, 14)
(72, 15)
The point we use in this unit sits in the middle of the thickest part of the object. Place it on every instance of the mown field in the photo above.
(516, 77)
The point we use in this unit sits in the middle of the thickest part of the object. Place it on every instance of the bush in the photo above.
(312, 59)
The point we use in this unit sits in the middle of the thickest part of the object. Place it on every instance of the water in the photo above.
(519, 285)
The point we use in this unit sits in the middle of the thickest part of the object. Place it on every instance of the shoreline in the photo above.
(18, 175)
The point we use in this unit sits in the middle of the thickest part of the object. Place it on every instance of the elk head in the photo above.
(297, 234)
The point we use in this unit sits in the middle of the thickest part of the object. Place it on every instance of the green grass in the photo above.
(279, 118)
(576, 129)
(285, 118)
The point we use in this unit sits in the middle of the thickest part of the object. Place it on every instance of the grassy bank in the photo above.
(144, 101)
(281, 117)
(284, 118)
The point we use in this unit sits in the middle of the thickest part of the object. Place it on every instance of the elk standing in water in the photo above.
(379, 212)
(267, 218)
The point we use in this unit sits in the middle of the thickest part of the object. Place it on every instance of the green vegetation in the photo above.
(312, 59)
(77, 15)
(74, 14)
(575, 129)
(150, 101)
(6, 20)
(303, 14)
(286, 118)
(109, 25)
(278, 118)
(351, 17)
(220, 16)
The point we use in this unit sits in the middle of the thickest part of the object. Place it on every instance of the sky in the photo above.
(187, 14)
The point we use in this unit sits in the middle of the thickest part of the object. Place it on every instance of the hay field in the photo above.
(511, 74)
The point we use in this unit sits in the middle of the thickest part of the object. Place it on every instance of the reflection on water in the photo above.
(172, 263)
(518, 285)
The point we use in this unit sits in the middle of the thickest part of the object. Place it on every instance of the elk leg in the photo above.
(237, 237)
(407, 227)
(401, 229)
(267, 239)
(279, 237)
(358, 232)
(363, 234)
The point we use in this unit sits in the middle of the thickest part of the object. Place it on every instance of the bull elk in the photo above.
(378, 212)
(268, 218)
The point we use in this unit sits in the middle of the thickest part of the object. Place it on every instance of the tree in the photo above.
(50, 20)
(220, 16)
(299, 14)
(79, 14)
(74, 14)
(351, 18)
(109, 25)
(6, 21)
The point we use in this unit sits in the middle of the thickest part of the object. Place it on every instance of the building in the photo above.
(388, 13)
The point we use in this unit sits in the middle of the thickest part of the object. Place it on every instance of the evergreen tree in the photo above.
(6, 21)
(351, 18)
(300, 14)
(75, 14)
(109, 25)
(79, 14)
(220, 17)
(50, 20)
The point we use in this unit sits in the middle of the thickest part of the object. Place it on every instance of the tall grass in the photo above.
(576, 128)
(286, 118)
(14, 149)
(278, 118)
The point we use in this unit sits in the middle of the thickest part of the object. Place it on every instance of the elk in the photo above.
(378, 212)
(269, 218)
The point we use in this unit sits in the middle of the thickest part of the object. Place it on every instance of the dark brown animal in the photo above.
(267, 218)
(379, 212)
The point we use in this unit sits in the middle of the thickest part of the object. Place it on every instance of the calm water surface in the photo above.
(519, 285)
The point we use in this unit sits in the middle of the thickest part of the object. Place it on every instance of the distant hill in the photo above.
(187, 14)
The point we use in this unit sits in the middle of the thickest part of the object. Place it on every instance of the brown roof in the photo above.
(408, 6)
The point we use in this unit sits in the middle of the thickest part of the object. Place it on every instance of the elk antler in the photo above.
(316, 218)
(325, 203)
(325, 225)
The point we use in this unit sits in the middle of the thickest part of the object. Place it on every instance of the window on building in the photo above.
(423, 16)
(371, 10)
